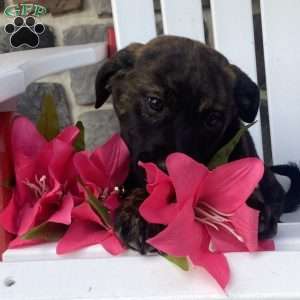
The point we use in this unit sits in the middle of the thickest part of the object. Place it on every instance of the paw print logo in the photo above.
(24, 31)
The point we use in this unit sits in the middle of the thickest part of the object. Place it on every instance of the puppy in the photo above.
(174, 94)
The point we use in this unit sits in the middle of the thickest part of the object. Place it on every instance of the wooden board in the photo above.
(19, 69)
(234, 37)
(183, 18)
(134, 21)
(281, 23)
(269, 275)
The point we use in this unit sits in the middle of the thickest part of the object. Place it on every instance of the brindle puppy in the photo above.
(177, 95)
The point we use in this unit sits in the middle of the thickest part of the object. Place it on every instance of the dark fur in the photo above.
(293, 195)
(205, 98)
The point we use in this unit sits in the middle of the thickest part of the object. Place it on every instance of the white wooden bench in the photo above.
(37, 273)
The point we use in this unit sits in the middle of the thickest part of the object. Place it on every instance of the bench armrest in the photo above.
(19, 69)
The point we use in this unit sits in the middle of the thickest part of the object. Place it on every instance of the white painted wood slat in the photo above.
(287, 239)
(281, 24)
(234, 37)
(19, 69)
(134, 21)
(183, 18)
(258, 276)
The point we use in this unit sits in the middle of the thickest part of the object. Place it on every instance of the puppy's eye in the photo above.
(155, 103)
(213, 119)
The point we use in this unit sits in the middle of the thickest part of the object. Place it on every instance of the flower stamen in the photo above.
(104, 194)
(39, 186)
(208, 215)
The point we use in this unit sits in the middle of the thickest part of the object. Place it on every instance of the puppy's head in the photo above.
(176, 94)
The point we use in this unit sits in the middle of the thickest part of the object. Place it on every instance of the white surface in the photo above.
(92, 273)
(19, 69)
(287, 239)
(48, 252)
(234, 37)
(183, 18)
(293, 217)
(134, 21)
(269, 275)
(281, 24)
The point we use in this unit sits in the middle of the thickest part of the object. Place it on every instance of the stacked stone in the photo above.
(73, 91)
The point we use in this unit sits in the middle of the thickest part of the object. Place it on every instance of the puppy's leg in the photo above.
(292, 198)
(274, 199)
(131, 227)
(269, 212)
(269, 198)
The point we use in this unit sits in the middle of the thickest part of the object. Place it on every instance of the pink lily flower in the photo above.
(204, 211)
(100, 173)
(40, 195)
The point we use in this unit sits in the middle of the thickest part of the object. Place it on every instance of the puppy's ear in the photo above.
(246, 95)
(123, 60)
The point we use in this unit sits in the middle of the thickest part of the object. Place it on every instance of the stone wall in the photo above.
(69, 22)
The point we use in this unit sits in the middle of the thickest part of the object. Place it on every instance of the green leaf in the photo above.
(48, 124)
(222, 156)
(48, 231)
(180, 262)
(79, 142)
(96, 204)
(100, 209)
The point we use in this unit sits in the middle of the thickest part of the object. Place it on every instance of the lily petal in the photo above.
(216, 264)
(245, 223)
(79, 235)
(112, 202)
(186, 175)
(157, 207)
(26, 140)
(113, 245)
(114, 157)
(227, 187)
(224, 242)
(25, 173)
(18, 242)
(84, 212)
(182, 235)
(27, 217)
(10, 215)
(63, 215)
(69, 134)
(88, 172)
(155, 176)
(48, 203)
(61, 155)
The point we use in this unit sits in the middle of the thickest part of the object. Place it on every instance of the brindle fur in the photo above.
(194, 81)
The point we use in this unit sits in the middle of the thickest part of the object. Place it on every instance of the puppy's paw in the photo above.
(267, 225)
(267, 228)
(131, 227)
